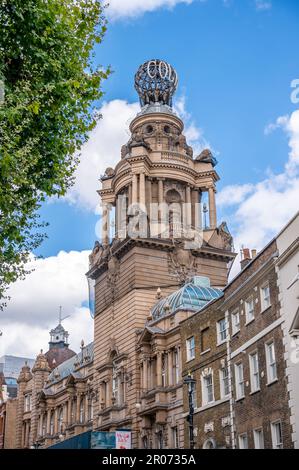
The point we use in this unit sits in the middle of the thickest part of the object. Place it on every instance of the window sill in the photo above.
(220, 343)
(265, 309)
(235, 333)
(205, 352)
(250, 321)
(255, 391)
(272, 382)
(240, 399)
(190, 359)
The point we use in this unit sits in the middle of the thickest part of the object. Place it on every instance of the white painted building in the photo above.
(288, 280)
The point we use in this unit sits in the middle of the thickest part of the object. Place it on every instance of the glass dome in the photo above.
(192, 296)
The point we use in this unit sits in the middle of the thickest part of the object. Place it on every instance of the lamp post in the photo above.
(190, 382)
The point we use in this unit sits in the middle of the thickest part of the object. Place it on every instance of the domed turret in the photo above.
(41, 363)
(156, 82)
(25, 374)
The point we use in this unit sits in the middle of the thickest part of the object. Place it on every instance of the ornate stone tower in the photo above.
(40, 373)
(24, 377)
(160, 240)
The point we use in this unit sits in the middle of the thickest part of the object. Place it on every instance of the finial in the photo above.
(159, 293)
(156, 82)
(82, 343)
(41, 351)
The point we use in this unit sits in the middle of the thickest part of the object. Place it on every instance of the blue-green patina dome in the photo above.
(192, 296)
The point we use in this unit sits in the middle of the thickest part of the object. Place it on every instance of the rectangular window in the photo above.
(235, 322)
(208, 389)
(276, 433)
(176, 369)
(205, 344)
(190, 348)
(243, 441)
(254, 372)
(175, 438)
(271, 363)
(258, 437)
(265, 297)
(221, 331)
(224, 382)
(240, 385)
(27, 403)
(249, 310)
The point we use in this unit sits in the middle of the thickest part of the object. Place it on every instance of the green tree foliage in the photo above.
(51, 88)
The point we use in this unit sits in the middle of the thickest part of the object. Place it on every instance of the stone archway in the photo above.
(210, 444)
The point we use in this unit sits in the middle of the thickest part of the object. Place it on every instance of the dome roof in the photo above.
(192, 296)
(56, 356)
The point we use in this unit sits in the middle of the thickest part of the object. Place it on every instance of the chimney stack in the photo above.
(246, 257)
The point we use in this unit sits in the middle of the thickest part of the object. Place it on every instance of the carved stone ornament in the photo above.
(113, 273)
(181, 264)
(209, 427)
(226, 236)
(95, 256)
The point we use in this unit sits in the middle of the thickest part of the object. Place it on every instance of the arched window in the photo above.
(60, 419)
(81, 418)
(175, 214)
(90, 409)
(209, 444)
(115, 380)
(145, 442)
(115, 385)
(44, 425)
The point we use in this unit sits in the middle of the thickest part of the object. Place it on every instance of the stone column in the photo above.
(212, 208)
(86, 408)
(65, 415)
(188, 207)
(130, 194)
(105, 223)
(48, 421)
(78, 409)
(142, 189)
(159, 369)
(170, 367)
(145, 374)
(134, 189)
(69, 412)
(160, 190)
(56, 421)
(195, 208)
(148, 193)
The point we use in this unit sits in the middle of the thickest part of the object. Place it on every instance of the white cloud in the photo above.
(234, 194)
(133, 8)
(34, 305)
(263, 5)
(194, 134)
(261, 210)
(102, 150)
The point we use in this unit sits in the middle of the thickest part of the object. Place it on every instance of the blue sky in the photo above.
(236, 60)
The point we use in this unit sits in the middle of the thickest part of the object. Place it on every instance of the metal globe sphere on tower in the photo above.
(156, 82)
